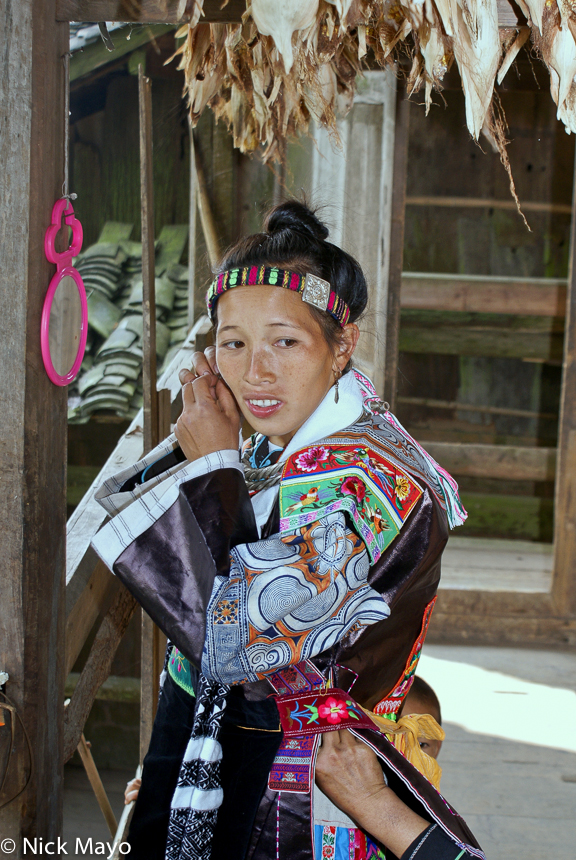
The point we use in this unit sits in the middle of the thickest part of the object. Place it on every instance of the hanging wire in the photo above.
(65, 190)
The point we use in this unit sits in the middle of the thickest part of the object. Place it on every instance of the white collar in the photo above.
(328, 418)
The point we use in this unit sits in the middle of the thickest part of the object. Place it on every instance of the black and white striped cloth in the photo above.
(198, 795)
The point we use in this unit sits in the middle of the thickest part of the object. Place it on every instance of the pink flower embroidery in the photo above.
(353, 487)
(308, 460)
(333, 711)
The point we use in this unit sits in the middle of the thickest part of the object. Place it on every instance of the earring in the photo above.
(336, 392)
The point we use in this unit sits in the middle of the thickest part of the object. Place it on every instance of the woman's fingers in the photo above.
(188, 395)
(205, 362)
(185, 376)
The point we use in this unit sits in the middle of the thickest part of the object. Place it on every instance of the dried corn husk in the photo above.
(290, 62)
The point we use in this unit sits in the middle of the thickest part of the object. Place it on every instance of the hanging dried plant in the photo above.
(288, 63)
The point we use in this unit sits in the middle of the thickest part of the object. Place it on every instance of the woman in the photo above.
(296, 584)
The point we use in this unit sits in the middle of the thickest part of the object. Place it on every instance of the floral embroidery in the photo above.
(353, 487)
(373, 490)
(309, 714)
(402, 487)
(328, 841)
(308, 460)
(334, 711)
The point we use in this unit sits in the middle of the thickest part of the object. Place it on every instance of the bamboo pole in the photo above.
(205, 210)
(97, 786)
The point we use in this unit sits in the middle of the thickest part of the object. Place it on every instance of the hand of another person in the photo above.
(349, 773)
(210, 420)
(132, 789)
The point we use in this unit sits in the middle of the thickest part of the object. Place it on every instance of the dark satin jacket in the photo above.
(191, 544)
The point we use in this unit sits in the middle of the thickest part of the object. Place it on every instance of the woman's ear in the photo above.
(348, 342)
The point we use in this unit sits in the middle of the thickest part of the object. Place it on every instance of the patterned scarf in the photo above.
(198, 794)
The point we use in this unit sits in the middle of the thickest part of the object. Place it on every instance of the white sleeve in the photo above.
(113, 500)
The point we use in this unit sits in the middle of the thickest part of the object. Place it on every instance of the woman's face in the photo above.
(273, 356)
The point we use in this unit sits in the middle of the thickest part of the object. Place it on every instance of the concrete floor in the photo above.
(510, 770)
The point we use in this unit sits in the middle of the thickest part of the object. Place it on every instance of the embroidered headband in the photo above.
(313, 289)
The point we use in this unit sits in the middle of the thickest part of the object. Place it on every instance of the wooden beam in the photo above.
(178, 11)
(94, 599)
(148, 11)
(483, 294)
(126, 41)
(97, 668)
(564, 582)
(401, 134)
(457, 406)
(32, 418)
(531, 338)
(488, 203)
(509, 462)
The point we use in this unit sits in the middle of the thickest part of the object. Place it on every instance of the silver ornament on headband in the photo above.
(316, 292)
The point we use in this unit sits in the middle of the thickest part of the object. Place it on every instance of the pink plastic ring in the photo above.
(56, 378)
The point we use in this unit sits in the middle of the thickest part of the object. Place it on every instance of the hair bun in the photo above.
(294, 215)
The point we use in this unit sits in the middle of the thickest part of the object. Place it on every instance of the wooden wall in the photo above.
(511, 361)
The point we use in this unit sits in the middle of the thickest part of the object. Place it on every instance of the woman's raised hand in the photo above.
(210, 420)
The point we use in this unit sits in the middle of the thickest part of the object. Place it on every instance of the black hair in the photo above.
(421, 690)
(295, 238)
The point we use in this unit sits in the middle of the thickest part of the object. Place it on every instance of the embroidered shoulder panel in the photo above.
(391, 704)
(351, 475)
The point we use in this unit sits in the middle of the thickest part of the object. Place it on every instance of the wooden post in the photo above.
(192, 233)
(32, 420)
(148, 268)
(564, 581)
(401, 134)
(153, 642)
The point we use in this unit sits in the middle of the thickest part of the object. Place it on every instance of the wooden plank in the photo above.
(482, 294)
(153, 649)
(152, 639)
(456, 406)
(97, 593)
(471, 628)
(32, 418)
(116, 688)
(535, 338)
(148, 11)
(507, 462)
(97, 668)
(487, 203)
(401, 135)
(355, 185)
(564, 582)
